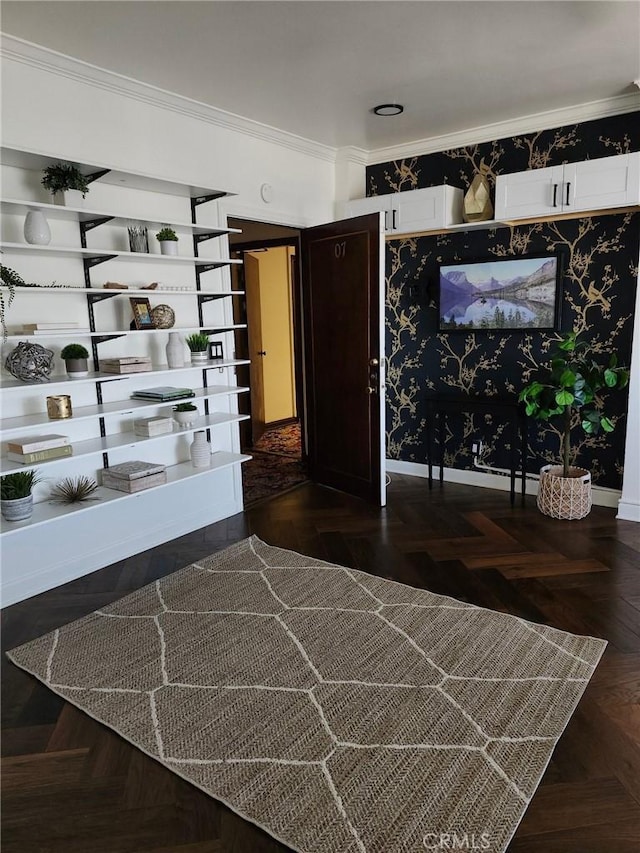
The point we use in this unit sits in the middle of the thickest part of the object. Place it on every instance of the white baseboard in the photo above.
(601, 496)
(628, 511)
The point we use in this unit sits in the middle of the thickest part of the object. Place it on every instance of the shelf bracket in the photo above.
(94, 176)
(209, 235)
(98, 297)
(100, 339)
(93, 261)
(89, 224)
(207, 267)
(209, 297)
(203, 199)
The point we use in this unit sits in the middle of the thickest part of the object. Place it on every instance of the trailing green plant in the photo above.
(73, 490)
(63, 176)
(10, 280)
(18, 485)
(198, 342)
(74, 351)
(570, 389)
(166, 234)
(185, 407)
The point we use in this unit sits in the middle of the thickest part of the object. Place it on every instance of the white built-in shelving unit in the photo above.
(66, 282)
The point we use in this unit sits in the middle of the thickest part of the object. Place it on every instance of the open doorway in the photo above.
(274, 435)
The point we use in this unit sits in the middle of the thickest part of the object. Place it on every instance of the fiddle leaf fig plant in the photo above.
(571, 389)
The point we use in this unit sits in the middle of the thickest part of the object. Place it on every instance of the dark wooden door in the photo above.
(342, 296)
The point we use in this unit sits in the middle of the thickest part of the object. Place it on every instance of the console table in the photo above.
(440, 406)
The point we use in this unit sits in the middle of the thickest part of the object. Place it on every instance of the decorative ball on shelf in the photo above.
(163, 316)
(30, 362)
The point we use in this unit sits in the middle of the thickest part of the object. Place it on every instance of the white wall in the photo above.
(66, 109)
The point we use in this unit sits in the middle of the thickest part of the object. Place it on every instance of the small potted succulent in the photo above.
(66, 183)
(185, 413)
(16, 494)
(168, 240)
(198, 344)
(75, 359)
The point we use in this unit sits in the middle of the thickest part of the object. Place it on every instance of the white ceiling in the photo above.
(316, 69)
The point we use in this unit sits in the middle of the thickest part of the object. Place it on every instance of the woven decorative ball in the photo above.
(163, 316)
(30, 362)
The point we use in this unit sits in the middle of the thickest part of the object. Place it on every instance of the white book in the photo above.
(32, 444)
(35, 326)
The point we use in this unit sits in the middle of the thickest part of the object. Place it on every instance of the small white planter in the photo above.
(168, 247)
(185, 419)
(76, 368)
(18, 509)
(68, 198)
(199, 357)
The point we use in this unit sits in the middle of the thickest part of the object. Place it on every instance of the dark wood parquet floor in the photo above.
(71, 786)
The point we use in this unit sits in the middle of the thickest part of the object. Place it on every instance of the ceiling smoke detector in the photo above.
(388, 109)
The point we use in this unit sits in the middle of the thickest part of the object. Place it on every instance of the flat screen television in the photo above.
(500, 294)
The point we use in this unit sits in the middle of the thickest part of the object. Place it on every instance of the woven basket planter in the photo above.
(564, 497)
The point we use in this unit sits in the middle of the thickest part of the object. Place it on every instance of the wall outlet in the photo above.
(477, 447)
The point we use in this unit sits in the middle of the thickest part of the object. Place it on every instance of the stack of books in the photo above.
(134, 476)
(48, 328)
(127, 364)
(38, 448)
(163, 394)
(153, 426)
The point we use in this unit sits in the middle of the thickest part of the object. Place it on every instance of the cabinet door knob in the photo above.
(555, 195)
(386, 223)
(568, 188)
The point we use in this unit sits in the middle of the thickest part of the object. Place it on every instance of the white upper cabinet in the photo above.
(413, 211)
(609, 182)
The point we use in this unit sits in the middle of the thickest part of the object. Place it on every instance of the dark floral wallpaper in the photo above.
(600, 257)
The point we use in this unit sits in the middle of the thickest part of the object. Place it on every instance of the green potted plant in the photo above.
(75, 359)
(198, 344)
(61, 178)
(185, 413)
(571, 389)
(16, 494)
(168, 240)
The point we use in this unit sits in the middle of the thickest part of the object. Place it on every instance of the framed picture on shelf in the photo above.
(506, 294)
(216, 350)
(141, 308)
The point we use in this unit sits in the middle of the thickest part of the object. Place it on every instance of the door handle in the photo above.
(386, 223)
(394, 224)
(374, 362)
(370, 390)
(568, 188)
(555, 196)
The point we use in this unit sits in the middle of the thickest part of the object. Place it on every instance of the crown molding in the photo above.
(36, 56)
(27, 53)
(511, 127)
(352, 154)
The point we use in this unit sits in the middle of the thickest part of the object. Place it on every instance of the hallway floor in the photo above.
(276, 465)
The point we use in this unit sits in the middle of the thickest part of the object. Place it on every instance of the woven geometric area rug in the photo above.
(339, 711)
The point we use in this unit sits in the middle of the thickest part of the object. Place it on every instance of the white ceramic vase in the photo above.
(168, 247)
(36, 228)
(175, 350)
(200, 450)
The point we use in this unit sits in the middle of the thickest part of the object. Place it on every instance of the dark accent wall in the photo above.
(599, 283)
